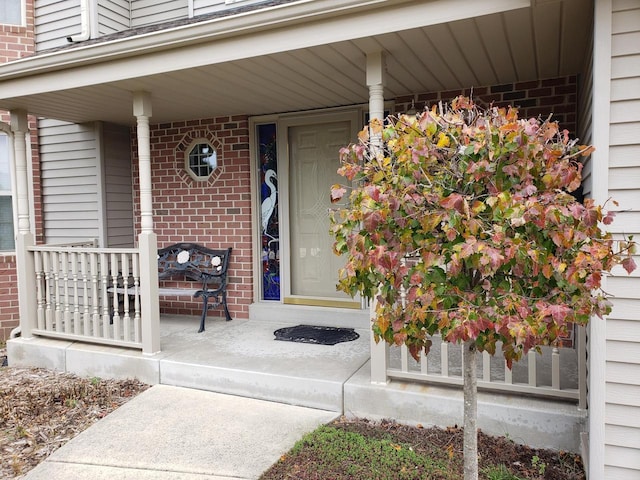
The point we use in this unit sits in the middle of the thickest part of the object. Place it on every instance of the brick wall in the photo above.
(215, 213)
(533, 99)
(17, 42)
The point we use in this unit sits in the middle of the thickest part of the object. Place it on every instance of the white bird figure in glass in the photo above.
(269, 202)
(212, 159)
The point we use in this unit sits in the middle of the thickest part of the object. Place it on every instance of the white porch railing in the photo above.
(557, 372)
(78, 294)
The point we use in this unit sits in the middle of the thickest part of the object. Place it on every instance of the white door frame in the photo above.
(283, 122)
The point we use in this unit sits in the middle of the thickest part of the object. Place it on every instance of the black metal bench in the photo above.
(198, 263)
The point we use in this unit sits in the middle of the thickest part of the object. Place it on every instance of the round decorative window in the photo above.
(201, 159)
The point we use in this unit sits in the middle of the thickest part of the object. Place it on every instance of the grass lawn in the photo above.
(357, 449)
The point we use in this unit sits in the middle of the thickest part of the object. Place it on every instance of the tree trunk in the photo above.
(470, 411)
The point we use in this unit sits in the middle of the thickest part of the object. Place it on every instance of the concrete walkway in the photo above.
(168, 433)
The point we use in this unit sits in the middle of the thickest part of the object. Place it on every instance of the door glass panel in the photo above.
(270, 236)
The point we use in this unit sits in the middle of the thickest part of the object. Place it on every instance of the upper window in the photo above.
(201, 159)
(11, 12)
(7, 242)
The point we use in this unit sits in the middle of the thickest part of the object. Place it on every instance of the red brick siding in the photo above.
(214, 213)
(534, 98)
(17, 42)
(9, 315)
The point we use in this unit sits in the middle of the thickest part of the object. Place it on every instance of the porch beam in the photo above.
(147, 240)
(25, 268)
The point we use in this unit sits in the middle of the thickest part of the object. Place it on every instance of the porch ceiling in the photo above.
(546, 40)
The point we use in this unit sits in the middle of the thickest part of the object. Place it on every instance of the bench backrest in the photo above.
(193, 261)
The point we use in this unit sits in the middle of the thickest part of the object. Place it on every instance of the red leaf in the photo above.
(454, 201)
(337, 192)
(628, 264)
(609, 218)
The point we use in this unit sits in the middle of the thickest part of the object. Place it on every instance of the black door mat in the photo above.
(316, 334)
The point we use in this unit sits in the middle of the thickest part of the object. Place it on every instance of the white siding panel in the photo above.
(55, 21)
(113, 16)
(625, 309)
(624, 287)
(624, 457)
(625, 43)
(626, 111)
(626, 21)
(624, 178)
(622, 415)
(624, 156)
(620, 394)
(616, 473)
(625, 89)
(624, 373)
(147, 12)
(201, 7)
(69, 183)
(624, 330)
(623, 352)
(625, 133)
(118, 186)
(624, 437)
(625, 66)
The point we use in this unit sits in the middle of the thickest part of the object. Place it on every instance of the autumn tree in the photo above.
(498, 253)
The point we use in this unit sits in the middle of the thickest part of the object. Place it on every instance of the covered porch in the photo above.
(243, 358)
(297, 58)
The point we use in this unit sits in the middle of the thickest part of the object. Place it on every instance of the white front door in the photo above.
(313, 164)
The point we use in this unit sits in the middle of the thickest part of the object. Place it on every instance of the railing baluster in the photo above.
(48, 282)
(508, 374)
(40, 289)
(444, 358)
(486, 366)
(55, 263)
(555, 368)
(86, 317)
(66, 315)
(532, 364)
(95, 299)
(136, 299)
(76, 302)
(126, 319)
(104, 286)
(115, 308)
(404, 358)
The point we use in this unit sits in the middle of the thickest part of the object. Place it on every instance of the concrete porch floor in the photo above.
(242, 358)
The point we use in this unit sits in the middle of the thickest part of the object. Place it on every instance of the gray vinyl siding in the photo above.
(55, 20)
(585, 111)
(147, 12)
(118, 188)
(622, 414)
(113, 16)
(70, 176)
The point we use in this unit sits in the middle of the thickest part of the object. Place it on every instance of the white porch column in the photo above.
(25, 269)
(375, 81)
(147, 240)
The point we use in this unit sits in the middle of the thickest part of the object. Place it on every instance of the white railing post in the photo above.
(25, 264)
(150, 309)
(147, 240)
(375, 82)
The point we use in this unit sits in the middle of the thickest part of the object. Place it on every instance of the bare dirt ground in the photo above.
(41, 410)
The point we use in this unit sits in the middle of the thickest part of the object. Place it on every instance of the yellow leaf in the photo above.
(443, 140)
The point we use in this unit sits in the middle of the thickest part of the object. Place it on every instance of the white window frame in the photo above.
(6, 130)
(23, 14)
